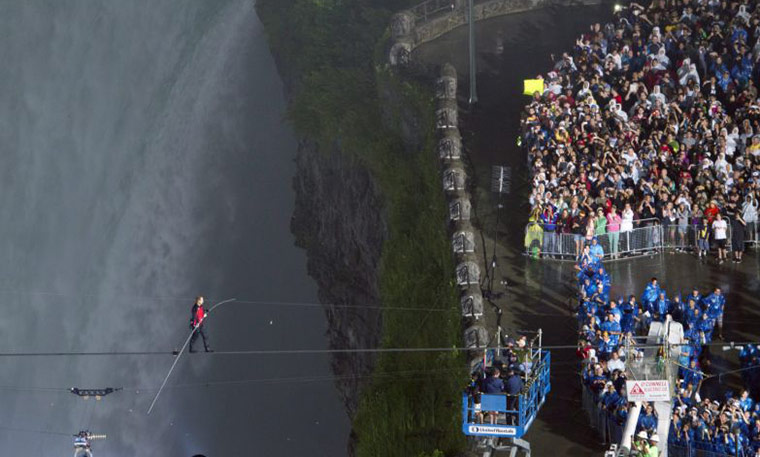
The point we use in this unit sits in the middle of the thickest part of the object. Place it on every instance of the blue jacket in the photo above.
(596, 250)
(692, 377)
(706, 325)
(513, 385)
(692, 316)
(493, 385)
(687, 352)
(714, 304)
(549, 223)
(661, 306)
(610, 327)
(607, 347)
(650, 293)
(746, 404)
(647, 422)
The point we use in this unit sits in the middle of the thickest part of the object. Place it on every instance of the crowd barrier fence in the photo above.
(647, 236)
(600, 418)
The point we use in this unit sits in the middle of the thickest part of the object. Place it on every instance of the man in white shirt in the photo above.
(615, 363)
(720, 231)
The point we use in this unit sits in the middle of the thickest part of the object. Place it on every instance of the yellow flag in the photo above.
(533, 85)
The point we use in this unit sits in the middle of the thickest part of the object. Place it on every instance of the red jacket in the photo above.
(198, 314)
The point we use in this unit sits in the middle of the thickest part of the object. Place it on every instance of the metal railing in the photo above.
(601, 419)
(646, 237)
(429, 8)
(753, 232)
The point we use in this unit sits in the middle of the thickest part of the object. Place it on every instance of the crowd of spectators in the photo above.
(607, 342)
(653, 117)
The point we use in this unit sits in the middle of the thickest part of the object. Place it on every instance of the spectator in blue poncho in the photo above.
(714, 307)
(606, 346)
(651, 292)
(587, 312)
(754, 434)
(687, 352)
(596, 250)
(705, 327)
(692, 334)
(610, 398)
(588, 289)
(587, 261)
(692, 313)
(745, 402)
(648, 420)
(685, 396)
(612, 328)
(601, 295)
(660, 306)
(630, 315)
(695, 296)
(692, 375)
(615, 310)
(747, 353)
(601, 275)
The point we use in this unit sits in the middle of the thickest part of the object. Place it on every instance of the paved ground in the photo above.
(511, 49)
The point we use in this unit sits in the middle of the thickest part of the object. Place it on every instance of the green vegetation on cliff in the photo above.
(411, 407)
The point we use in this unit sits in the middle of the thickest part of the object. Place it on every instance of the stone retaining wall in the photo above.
(454, 177)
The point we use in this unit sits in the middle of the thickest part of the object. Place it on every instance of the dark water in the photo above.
(145, 160)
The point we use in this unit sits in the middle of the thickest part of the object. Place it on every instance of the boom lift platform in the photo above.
(514, 414)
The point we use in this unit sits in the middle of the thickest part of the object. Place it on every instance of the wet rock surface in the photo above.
(338, 221)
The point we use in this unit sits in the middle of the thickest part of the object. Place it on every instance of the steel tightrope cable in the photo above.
(314, 351)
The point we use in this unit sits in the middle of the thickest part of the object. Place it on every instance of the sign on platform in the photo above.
(648, 390)
(492, 430)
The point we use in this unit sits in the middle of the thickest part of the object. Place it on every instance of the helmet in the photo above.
(654, 438)
(642, 434)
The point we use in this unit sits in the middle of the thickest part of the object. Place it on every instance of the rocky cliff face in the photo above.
(339, 222)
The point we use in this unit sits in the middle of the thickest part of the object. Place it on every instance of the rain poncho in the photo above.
(650, 294)
(714, 305)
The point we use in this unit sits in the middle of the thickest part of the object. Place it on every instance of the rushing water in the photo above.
(144, 160)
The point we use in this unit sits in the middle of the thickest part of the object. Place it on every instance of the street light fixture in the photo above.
(473, 72)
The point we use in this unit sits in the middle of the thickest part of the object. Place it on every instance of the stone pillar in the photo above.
(447, 115)
(402, 25)
(402, 37)
(468, 273)
(471, 304)
(463, 242)
(475, 336)
(460, 209)
(454, 179)
(400, 53)
(450, 146)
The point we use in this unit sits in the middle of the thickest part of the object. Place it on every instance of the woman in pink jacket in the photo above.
(613, 230)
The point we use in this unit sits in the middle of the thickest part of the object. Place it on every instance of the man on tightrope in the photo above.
(197, 316)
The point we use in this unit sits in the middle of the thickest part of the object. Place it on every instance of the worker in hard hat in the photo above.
(640, 445)
(654, 440)
(645, 445)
